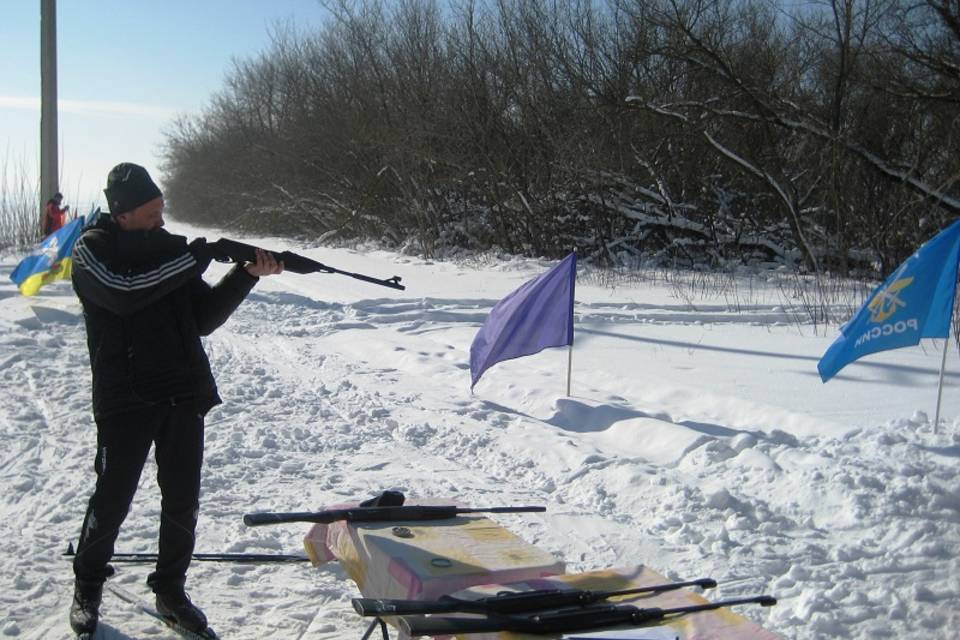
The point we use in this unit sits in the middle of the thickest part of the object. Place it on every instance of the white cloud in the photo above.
(90, 107)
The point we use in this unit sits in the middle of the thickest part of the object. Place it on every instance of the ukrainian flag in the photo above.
(51, 260)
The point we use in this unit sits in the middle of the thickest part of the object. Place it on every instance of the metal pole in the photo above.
(49, 172)
(573, 286)
(943, 366)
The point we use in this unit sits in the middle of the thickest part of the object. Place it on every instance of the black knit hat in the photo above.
(129, 186)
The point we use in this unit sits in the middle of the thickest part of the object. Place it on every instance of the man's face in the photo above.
(146, 217)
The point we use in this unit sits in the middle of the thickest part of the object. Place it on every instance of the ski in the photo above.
(142, 606)
(507, 602)
(590, 618)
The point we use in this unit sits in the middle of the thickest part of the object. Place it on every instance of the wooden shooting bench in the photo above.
(472, 556)
(423, 560)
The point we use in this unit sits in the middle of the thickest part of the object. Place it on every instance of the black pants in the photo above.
(123, 442)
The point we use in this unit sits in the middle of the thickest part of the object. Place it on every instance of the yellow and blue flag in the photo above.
(51, 260)
(915, 302)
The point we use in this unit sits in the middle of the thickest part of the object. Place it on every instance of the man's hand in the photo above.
(265, 265)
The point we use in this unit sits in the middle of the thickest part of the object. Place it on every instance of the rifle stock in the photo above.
(444, 604)
(226, 250)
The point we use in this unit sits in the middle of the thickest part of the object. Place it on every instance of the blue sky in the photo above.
(125, 70)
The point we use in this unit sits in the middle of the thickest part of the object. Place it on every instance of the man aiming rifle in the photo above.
(146, 306)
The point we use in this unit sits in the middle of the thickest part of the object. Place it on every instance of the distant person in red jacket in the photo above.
(54, 215)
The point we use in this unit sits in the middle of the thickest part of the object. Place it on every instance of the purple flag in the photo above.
(536, 316)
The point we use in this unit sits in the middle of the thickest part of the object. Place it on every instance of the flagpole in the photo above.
(570, 346)
(943, 366)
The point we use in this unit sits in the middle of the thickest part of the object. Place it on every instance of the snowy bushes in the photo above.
(661, 132)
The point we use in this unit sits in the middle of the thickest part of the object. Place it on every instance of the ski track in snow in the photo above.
(316, 414)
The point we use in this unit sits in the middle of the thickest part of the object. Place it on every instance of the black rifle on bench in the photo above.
(377, 514)
(507, 602)
(566, 620)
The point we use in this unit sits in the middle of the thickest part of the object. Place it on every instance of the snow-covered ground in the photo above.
(698, 439)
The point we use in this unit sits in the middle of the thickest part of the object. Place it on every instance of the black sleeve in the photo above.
(144, 250)
(213, 305)
(125, 272)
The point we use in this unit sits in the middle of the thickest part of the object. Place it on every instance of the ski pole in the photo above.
(240, 558)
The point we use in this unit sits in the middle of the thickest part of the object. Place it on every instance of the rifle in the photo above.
(563, 621)
(376, 514)
(507, 602)
(224, 250)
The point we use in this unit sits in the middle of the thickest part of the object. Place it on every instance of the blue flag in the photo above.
(51, 260)
(536, 316)
(915, 302)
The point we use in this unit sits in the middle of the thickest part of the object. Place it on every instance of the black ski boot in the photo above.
(85, 609)
(176, 607)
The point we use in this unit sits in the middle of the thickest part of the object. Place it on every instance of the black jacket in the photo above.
(145, 307)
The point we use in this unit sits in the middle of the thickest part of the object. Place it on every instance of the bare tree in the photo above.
(691, 131)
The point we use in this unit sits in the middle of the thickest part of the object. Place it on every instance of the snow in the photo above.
(698, 439)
